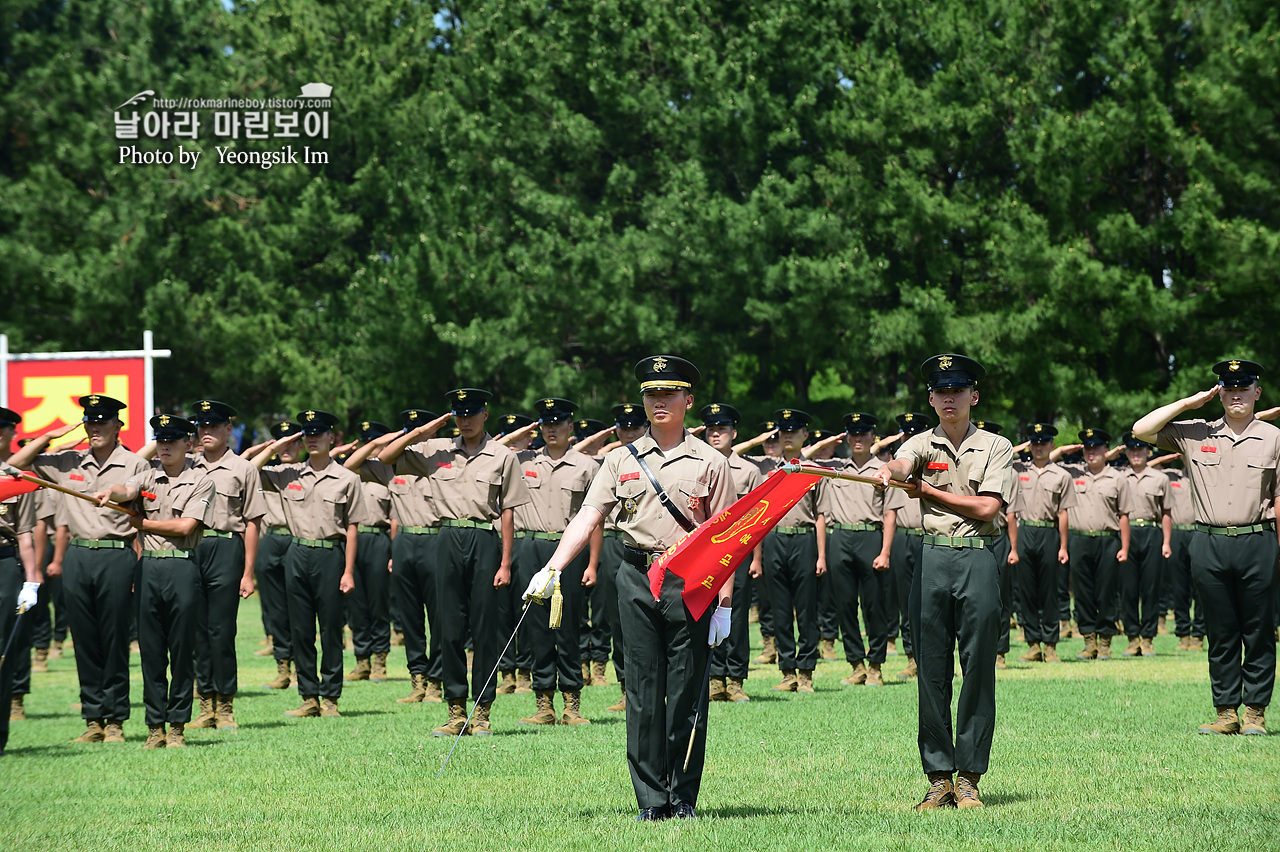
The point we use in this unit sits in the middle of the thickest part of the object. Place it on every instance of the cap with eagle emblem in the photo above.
(944, 372)
(627, 415)
(467, 401)
(989, 426)
(1094, 437)
(509, 423)
(583, 429)
(168, 427)
(666, 372)
(210, 411)
(858, 422)
(315, 422)
(553, 409)
(98, 408)
(1040, 433)
(913, 422)
(792, 419)
(412, 418)
(371, 430)
(719, 414)
(284, 427)
(1237, 373)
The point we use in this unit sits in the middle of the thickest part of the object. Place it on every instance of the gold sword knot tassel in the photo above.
(557, 605)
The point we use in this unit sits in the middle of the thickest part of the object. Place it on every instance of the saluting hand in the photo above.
(1198, 400)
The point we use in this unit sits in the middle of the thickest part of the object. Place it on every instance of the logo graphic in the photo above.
(754, 517)
(628, 408)
(908, 417)
(364, 427)
(550, 403)
(462, 394)
(204, 405)
(715, 408)
(1088, 433)
(786, 414)
(139, 98)
(630, 506)
(309, 416)
(944, 363)
(164, 420)
(659, 364)
(1234, 366)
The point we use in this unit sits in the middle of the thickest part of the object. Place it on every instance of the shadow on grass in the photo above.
(749, 811)
(992, 799)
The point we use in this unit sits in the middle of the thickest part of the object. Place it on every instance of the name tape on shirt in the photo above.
(77, 477)
(293, 486)
(1081, 482)
(1024, 477)
(627, 477)
(1175, 484)
(938, 466)
(400, 480)
(445, 465)
(532, 473)
(1207, 449)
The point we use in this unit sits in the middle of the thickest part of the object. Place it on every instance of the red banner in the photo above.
(45, 393)
(12, 486)
(707, 557)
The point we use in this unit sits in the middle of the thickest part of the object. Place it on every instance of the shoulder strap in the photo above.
(663, 498)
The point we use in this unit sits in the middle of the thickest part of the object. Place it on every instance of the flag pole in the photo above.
(44, 483)
(815, 470)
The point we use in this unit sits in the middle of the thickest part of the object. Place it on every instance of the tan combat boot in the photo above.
(619, 706)
(545, 712)
(226, 713)
(828, 649)
(480, 721)
(1090, 651)
(175, 738)
(1197, 643)
(598, 674)
(804, 681)
(966, 790)
(788, 683)
(208, 716)
(360, 672)
(310, 707)
(736, 692)
(40, 660)
(268, 648)
(155, 737)
(1184, 643)
(1134, 649)
(573, 710)
(508, 684)
(717, 690)
(378, 668)
(524, 682)
(1033, 654)
(284, 675)
(586, 672)
(770, 653)
(1162, 628)
(397, 638)
(17, 712)
(329, 707)
(1254, 722)
(1064, 631)
(457, 723)
(1104, 647)
(941, 793)
(93, 732)
(1148, 647)
(55, 650)
(1050, 656)
(892, 648)
(433, 692)
(858, 676)
(1226, 723)
(114, 731)
(874, 677)
(1000, 663)
(911, 670)
(417, 692)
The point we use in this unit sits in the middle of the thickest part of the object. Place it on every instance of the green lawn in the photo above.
(1087, 756)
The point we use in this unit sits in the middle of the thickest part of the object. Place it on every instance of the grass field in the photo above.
(1087, 755)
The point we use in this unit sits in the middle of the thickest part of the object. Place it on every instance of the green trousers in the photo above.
(467, 560)
(556, 655)
(412, 575)
(790, 564)
(369, 604)
(607, 580)
(312, 575)
(1036, 583)
(11, 579)
(1140, 582)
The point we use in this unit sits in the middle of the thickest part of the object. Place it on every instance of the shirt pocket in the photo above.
(691, 493)
(228, 501)
(336, 506)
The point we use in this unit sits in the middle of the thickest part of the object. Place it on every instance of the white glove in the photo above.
(27, 597)
(542, 585)
(719, 626)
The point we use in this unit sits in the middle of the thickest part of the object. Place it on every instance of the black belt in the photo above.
(641, 559)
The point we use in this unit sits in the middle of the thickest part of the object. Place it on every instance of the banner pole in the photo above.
(4, 370)
(148, 385)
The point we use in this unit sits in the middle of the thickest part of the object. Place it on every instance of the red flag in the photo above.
(12, 486)
(706, 557)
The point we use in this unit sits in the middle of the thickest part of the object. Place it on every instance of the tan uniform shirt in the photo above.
(805, 512)
(747, 476)
(1233, 479)
(694, 474)
(907, 509)
(17, 516)
(1101, 499)
(275, 512)
(47, 508)
(476, 488)
(317, 505)
(1180, 492)
(1149, 495)
(239, 492)
(983, 464)
(410, 495)
(557, 488)
(80, 471)
(845, 502)
(1042, 491)
(190, 494)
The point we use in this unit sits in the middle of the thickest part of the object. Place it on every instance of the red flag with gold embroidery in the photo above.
(12, 486)
(707, 557)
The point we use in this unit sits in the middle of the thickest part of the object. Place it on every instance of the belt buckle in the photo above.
(1233, 531)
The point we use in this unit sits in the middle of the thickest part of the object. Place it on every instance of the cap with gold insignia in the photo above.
(1094, 437)
(913, 422)
(858, 422)
(285, 427)
(585, 428)
(817, 435)
(467, 401)
(553, 409)
(719, 414)
(371, 429)
(208, 411)
(1133, 443)
(989, 426)
(792, 419)
(1039, 433)
(412, 418)
(767, 425)
(314, 422)
(98, 408)
(666, 372)
(628, 415)
(942, 372)
(167, 427)
(449, 432)
(509, 423)
(1237, 373)
(9, 417)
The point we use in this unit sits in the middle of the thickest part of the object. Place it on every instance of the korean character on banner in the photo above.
(255, 125)
(127, 128)
(186, 124)
(316, 124)
(226, 124)
(286, 124)
(156, 124)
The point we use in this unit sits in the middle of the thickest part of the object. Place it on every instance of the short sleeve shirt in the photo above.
(557, 488)
(17, 516)
(805, 512)
(1233, 478)
(747, 476)
(190, 494)
(982, 464)
(238, 488)
(1042, 491)
(410, 494)
(475, 488)
(1101, 498)
(1149, 494)
(907, 512)
(80, 471)
(842, 501)
(1180, 493)
(694, 474)
(317, 504)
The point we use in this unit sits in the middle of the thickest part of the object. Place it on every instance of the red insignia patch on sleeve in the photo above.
(1208, 449)
(627, 477)
(938, 466)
